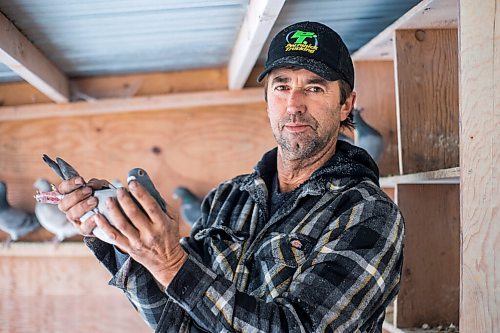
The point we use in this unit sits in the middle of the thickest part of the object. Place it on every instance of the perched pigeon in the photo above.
(50, 217)
(13, 221)
(66, 171)
(190, 206)
(367, 137)
(141, 176)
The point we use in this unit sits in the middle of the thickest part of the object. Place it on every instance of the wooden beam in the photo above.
(257, 24)
(479, 51)
(22, 57)
(135, 104)
(428, 14)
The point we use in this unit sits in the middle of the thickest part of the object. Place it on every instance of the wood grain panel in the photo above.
(121, 86)
(427, 94)
(197, 148)
(480, 165)
(431, 270)
(62, 294)
(375, 93)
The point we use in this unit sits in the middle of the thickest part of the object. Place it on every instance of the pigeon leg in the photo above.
(6, 243)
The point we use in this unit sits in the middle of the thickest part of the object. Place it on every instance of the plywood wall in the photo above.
(375, 94)
(197, 148)
(62, 294)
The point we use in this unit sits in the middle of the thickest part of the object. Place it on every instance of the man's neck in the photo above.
(293, 173)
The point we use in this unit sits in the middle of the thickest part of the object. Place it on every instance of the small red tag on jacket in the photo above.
(296, 244)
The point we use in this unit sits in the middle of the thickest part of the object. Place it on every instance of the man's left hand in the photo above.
(149, 236)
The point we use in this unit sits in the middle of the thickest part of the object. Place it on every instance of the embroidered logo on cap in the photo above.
(301, 41)
(296, 244)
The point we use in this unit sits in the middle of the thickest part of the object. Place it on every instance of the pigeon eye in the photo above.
(140, 173)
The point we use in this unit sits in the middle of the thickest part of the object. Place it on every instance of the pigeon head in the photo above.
(141, 176)
(42, 185)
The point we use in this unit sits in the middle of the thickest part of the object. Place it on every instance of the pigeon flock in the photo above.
(18, 223)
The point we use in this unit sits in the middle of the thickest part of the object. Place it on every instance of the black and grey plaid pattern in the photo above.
(328, 260)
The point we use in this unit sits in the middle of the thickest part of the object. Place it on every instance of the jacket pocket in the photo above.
(286, 249)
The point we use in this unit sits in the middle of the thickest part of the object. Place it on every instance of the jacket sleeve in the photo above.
(140, 287)
(351, 274)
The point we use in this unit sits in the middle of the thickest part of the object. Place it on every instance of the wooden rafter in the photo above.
(134, 104)
(22, 57)
(259, 20)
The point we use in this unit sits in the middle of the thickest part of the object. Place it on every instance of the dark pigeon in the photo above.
(190, 205)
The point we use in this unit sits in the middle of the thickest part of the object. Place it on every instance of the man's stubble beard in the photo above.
(305, 145)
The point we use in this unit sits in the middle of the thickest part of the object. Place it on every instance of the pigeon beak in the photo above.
(130, 178)
(175, 196)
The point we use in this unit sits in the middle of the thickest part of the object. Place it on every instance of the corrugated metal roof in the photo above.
(96, 37)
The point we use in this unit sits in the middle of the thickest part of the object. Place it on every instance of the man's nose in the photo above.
(296, 102)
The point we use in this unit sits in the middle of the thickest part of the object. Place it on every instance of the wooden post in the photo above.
(480, 165)
(427, 94)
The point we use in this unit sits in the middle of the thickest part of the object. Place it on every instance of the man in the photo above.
(306, 243)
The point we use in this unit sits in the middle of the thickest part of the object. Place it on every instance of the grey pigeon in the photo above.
(366, 137)
(190, 205)
(142, 177)
(50, 217)
(15, 222)
(66, 171)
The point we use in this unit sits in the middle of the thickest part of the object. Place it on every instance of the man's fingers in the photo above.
(97, 184)
(147, 202)
(132, 210)
(85, 227)
(67, 186)
(120, 221)
(111, 231)
(71, 199)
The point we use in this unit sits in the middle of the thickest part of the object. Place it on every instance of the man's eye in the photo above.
(280, 88)
(315, 89)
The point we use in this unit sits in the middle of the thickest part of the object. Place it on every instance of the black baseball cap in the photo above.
(312, 46)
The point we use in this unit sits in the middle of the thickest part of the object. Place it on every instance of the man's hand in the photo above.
(78, 200)
(149, 236)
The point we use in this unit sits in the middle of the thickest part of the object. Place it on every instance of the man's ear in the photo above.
(347, 106)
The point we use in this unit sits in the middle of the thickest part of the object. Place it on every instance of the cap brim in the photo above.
(312, 65)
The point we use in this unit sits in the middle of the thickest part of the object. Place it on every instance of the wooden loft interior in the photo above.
(429, 82)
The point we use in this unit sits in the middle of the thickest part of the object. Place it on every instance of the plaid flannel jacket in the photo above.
(328, 260)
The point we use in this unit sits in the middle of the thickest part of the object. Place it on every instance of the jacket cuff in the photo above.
(190, 283)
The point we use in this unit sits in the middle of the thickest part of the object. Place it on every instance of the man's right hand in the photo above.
(78, 200)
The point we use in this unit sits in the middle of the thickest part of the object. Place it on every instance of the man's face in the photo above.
(304, 112)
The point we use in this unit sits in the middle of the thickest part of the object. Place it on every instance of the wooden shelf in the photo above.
(45, 249)
(389, 328)
(428, 14)
(444, 176)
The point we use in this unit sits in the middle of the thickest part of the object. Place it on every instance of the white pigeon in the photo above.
(50, 217)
